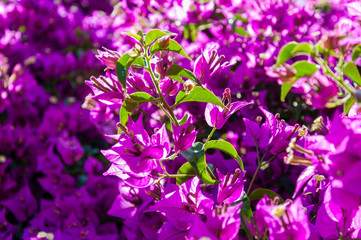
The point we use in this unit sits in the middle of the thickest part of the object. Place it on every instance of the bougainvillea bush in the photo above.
(180, 119)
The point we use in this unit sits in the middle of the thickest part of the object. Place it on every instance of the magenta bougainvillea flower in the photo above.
(216, 116)
(184, 136)
(134, 156)
(106, 89)
(336, 155)
(284, 221)
(230, 188)
(181, 205)
(108, 57)
(208, 64)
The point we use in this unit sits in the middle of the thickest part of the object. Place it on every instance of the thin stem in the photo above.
(162, 166)
(176, 175)
(257, 150)
(259, 167)
(160, 105)
(172, 157)
(162, 99)
(210, 172)
(327, 70)
(177, 103)
(210, 135)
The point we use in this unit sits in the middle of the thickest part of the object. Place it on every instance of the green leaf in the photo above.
(184, 119)
(198, 94)
(177, 78)
(351, 71)
(241, 31)
(122, 68)
(141, 97)
(246, 209)
(290, 49)
(176, 70)
(154, 35)
(185, 169)
(304, 68)
(286, 87)
(173, 46)
(196, 157)
(135, 36)
(356, 52)
(259, 193)
(285, 53)
(226, 147)
(302, 48)
(127, 109)
(139, 62)
(348, 104)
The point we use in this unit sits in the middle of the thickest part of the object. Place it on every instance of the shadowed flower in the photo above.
(184, 136)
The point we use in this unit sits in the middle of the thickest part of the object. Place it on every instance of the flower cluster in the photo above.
(180, 119)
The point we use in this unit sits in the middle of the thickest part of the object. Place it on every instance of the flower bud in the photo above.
(133, 53)
(138, 48)
(163, 42)
(108, 57)
(188, 86)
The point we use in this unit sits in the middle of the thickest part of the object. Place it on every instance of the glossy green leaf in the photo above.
(154, 35)
(348, 104)
(176, 70)
(122, 68)
(290, 49)
(285, 88)
(259, 193)
(351, 71)
(127, 109)
(226, 147)
(199, 94)
(285, 53)
(185, 169)
(141, 97)
(173, 46)
(356, 52)
(302, 48)
(135, 36)
(177, 78)
(304, 68)
(196, 157)
(184, 119)
(139, 62)
(246, 209)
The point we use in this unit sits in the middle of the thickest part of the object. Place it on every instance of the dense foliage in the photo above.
(212, 119)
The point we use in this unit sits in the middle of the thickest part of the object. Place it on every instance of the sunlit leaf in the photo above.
(304, 68)
(185, 169)
(226, 147)
(351, 71)
(199, 94)
(173, 46)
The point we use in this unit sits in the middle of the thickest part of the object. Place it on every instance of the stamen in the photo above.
(226, 181)
(236, 175)
(293, 131)
(123, 128)
(278, 210)
(319, 178)
(297, 160)
(150, 193)
(106, 82)
(98, 85)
